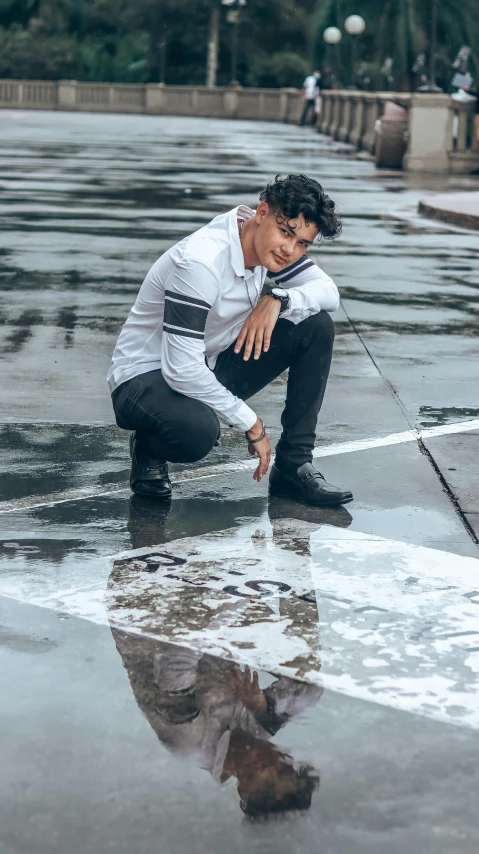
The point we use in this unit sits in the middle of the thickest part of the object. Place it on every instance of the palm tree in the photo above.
(404, 32)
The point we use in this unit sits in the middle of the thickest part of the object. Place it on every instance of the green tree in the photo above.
(399, 29)
(279, 42)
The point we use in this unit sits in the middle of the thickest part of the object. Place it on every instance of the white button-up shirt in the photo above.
(192, 306)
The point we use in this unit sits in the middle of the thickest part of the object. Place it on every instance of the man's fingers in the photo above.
(263, 466)
(249, 344)
(267, 338)
(258, 346)
(241, 337)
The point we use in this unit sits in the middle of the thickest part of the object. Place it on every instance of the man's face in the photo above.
(280, 242)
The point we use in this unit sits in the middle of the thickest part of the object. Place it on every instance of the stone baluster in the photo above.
(344, 130)
(356, 135)
(462, 122)
(326, 107)
(371, 108)
(333, 128)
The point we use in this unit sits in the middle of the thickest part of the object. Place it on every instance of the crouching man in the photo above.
(200, 340)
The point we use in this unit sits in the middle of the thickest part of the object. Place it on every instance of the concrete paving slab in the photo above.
(456, 457)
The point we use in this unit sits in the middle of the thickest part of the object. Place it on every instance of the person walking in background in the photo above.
(311, 90)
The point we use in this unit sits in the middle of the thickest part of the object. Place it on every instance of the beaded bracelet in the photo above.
(255, 441)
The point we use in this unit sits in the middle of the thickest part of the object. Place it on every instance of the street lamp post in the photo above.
(332, 36)
(233, 18)
(354, 26)
(431, 85)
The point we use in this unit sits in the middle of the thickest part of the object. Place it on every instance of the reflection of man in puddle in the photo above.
(201, 339)
(148, 521)
(210, 711)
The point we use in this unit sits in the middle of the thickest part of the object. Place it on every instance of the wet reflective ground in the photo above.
(129, 718)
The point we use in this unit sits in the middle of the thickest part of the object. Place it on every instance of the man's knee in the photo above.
(197, 437)
(321, 326)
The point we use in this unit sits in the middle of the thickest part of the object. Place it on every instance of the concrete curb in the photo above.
(461, 209)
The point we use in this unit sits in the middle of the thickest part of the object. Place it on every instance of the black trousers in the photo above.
(308, 105)
(170, 426)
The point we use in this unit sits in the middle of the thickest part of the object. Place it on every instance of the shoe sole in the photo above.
(290, 493)
(165, 496)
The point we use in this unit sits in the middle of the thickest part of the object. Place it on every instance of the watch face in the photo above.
(279, 292)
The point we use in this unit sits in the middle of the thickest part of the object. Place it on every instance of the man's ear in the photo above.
(262, 211)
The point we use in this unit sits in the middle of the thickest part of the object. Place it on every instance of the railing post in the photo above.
(155, 98)
(430, 133)
(194, 99)
(293, 109)
(230, 103)
(66, 94)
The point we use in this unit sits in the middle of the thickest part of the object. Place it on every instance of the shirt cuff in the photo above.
(244, 417)
(293, 298)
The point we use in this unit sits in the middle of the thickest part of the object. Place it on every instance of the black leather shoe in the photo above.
(148, 477)
(306, 484)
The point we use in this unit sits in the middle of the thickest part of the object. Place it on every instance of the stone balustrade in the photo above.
(440, 131)
(277, 105)
(464, 153)
(350, 115)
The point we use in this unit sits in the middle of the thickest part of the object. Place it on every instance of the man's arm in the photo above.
(310, 289)
(189, 295)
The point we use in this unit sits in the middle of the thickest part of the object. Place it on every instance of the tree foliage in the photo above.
(279, 40)
(399, 29)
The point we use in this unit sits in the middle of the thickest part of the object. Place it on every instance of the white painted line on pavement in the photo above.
(244, 465)
(372, 618)
(396, 438)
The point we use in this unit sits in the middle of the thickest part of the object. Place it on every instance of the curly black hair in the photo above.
(297, 194)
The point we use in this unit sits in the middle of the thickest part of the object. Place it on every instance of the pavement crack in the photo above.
(392, 391)
(447, 489)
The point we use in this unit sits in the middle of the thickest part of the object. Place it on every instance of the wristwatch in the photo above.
(283, 296)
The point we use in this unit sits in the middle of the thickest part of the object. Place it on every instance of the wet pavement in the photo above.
(129, 720)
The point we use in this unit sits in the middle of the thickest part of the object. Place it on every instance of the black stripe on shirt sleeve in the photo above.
(187, 316)
(183, 298)
(280, 278)
(291, 267)
(186, 332)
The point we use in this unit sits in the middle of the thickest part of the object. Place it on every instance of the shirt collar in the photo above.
(237, 257)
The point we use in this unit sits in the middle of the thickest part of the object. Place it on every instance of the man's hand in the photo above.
(247, 690)
(261, 449)
(258, 327)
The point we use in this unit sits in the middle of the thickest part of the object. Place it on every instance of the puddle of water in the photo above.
(433, 415)
(223, 718)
